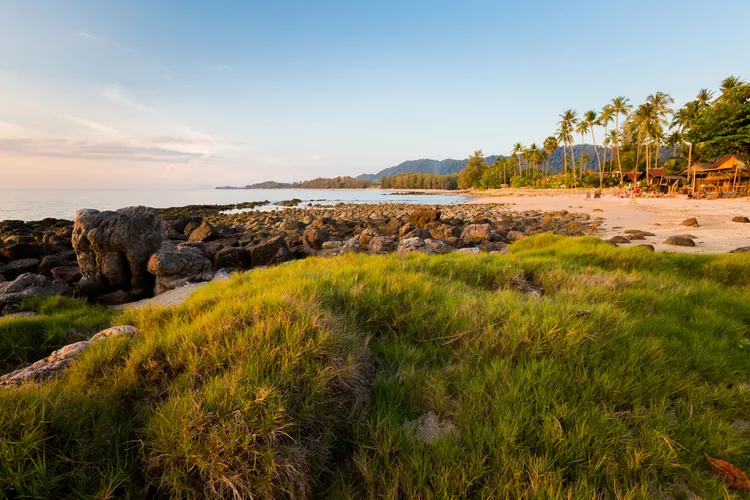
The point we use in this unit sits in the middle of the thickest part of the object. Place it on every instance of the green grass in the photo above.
(62, 321)
(300, 380)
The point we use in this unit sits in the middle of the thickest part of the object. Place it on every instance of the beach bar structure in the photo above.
(728, 174)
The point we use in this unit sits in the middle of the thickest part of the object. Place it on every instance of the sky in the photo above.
(187, 94)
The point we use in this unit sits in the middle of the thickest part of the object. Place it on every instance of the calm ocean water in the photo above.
(34, 204)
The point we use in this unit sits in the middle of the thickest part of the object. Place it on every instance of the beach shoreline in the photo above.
(716, 233)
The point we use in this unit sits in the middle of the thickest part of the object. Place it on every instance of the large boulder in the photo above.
(205, 232)
(113, 249)
(679, 241)
(15, 268)
(175, 266)
(30, 285)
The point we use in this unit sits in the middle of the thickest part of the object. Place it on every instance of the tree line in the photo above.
(411, 180)
(633, 138)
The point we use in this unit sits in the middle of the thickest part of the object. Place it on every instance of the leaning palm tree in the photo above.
(620, 106)
(611, 140)
(591, 119)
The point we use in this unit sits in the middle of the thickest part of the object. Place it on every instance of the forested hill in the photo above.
(450, 166)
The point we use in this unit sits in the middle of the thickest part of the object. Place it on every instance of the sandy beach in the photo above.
(661, 216)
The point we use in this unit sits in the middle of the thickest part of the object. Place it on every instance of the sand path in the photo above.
(661, 216)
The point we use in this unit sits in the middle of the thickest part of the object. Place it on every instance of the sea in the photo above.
(36, 204)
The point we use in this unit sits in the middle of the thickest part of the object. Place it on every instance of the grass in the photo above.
(61, 321)
(301, 380)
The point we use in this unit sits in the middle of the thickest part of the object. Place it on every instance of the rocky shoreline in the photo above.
(115, 257)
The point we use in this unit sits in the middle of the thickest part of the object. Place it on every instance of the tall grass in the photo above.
(305, 379)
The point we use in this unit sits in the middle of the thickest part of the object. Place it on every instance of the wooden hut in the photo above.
(728, 174)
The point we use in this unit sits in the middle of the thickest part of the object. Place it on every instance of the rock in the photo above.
(638, 232)
(271, 251)
(429, 428)
(515, 235)
(116, 298)
(54, 364)
(468, 250)
(314, 237)
(444, 231)
(15, 268)
(303, 251)
(422, 217)
(205, 233)
(68, 274)
(412, 244)
(476, 233)
(64, 258)
(232, 258)
(691, 222)
(329, 245)
(174, 266)
(521, 284)
(114, 248)
(679, 241)
(381, 244)
(619, 239)
(30, 285)
(438, 246)
(741, 250)
(741, 219)
(406, 229)
(221, 275)
(647, 247)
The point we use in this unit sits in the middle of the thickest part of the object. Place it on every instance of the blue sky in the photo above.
(185, 94)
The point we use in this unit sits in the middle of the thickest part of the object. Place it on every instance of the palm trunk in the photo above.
(573, 161)
(598, 161)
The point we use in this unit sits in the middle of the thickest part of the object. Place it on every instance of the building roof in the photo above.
(727, 162)
(656, 172)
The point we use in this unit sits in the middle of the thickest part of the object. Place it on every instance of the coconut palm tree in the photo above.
(704, 98)
(620, 106)
(568, 121)
(581, 128)
(605, 117)
(517, 152)
(730, 83)
(550, 145)
(591, 119)
(661, 109)
(611, 140)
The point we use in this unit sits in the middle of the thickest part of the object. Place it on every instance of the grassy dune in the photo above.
(312, 378)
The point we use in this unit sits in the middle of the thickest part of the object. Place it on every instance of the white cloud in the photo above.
(85, 35)
(92, 126)
(119, 96)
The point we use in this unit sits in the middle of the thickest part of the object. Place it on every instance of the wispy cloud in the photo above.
(121, 97)
(92, 126)
(58, 148)
(84, 34)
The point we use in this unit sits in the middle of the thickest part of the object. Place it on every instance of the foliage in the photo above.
(62, 321)
(333, 183)
(419, 181)
(471, 176)
(302, 380)
(724, 126)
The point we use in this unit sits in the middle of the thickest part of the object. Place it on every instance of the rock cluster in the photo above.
(120, 256)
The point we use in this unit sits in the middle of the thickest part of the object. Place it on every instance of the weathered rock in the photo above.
(64, 258)
(314, 237)
(468, 250)
(54, 364)
(741, 219)
(423, 216)
(381, 244)
(438, 246)
(413, 244)
(268, 252)
(646, 246)
(691, 222)
(476, 233)
(114, 248)
(515, 235)
(205, 233)
(68, 274)
(15, 268)
(174, 266)
(232, 258)
(741, 250)
(679, 241)
(30, 285)
(619, 239)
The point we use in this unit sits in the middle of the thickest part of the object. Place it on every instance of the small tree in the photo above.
(471, 176)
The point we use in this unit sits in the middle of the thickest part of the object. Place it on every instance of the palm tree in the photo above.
(704, 98)
(591, 119)
(610, 140)
(550, 145)
(581, 128)
(533, 155)
(568, 121)
(605, 117)
(620, 106)
(730, 83)
(673, 141)
(517, 152)
(661, 109)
